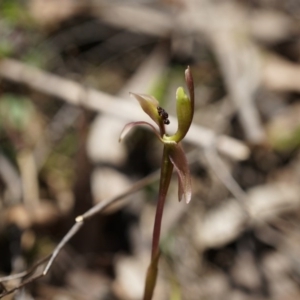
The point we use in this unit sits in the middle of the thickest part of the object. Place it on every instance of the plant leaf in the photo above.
(179, 161)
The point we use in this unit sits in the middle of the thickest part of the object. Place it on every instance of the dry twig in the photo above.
(74, 229)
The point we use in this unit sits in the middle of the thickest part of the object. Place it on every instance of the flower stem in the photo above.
(165, 178)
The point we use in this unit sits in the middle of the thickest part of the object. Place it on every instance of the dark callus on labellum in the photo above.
(163, 114)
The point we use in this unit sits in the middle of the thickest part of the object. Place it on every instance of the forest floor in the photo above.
(66, 70)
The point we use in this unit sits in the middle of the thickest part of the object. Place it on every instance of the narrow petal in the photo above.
(180, 188)
(129, 126)
(190, 85)
(179, 161)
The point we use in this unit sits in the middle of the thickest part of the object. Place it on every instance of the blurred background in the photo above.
(66, 70)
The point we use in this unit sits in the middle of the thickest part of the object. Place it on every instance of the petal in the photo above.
(190, 84)
(149, 105)
(179, 161)
(129, 126)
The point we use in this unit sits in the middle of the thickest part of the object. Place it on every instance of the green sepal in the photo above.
(184, 114)
(149, 104)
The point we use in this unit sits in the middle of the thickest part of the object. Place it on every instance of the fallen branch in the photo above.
(74, 229)
(223, 224)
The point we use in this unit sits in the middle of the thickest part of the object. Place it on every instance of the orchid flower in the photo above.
(173, 157)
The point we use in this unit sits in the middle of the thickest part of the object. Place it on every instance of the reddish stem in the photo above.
(165, 178)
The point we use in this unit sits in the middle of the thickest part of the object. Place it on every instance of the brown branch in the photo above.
(21, 275)
(74, 229)
(227, 221)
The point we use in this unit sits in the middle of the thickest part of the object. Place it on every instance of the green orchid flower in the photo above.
(173, 157)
